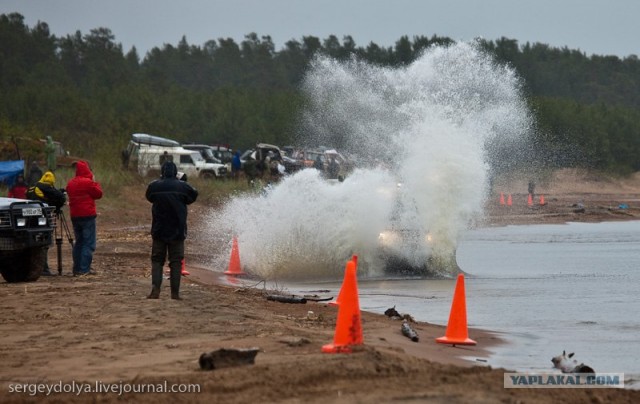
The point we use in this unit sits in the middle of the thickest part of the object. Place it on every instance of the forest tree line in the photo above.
(85, 91)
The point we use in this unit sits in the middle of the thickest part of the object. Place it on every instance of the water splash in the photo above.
(427, 126)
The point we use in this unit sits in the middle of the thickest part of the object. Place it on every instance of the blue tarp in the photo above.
(9, 170)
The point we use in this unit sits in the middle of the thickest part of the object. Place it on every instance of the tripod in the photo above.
(61, 227)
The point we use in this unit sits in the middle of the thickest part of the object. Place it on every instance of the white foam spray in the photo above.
(425, 126)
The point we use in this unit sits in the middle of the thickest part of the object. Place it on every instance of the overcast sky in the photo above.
(602, 27)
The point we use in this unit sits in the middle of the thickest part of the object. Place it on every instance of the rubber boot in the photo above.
(174, 278)
(155, 293)
(156, 281)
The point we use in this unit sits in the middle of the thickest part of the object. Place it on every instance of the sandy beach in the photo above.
(101, 330)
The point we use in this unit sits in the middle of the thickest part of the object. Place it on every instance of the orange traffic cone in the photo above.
(183, 271)
(348, 324)
(234, 261)
(336, 301)
(530, 200)
(509, 201)
(501, 199)
(457, 333)
(542, 202)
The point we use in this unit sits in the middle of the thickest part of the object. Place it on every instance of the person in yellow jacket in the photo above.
(45, 191)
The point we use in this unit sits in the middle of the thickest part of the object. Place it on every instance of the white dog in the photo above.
(568, 365)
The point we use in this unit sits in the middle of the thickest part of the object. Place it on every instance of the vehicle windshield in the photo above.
(211, 156)
(197, 157)
(223, 155)
(208, 153)
(246, 154)
(314, 155)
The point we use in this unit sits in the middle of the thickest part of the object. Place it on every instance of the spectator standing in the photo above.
(251, 168)
(318, 164)
(83, 191)
(165, 157)
(531, 188)
(236, 165)
(50, 150)
(45, 191)
(18, 189)
(170, 198)
(35, 173)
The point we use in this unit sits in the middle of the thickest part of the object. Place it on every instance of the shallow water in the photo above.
(545, 288)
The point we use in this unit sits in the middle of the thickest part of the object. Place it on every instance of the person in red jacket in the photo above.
(19, 189)
(83, 191)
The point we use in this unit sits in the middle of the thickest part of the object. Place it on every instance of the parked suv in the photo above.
(264, 150)
(209, 154)
(222, 153)
(26, 232)
(146, 153)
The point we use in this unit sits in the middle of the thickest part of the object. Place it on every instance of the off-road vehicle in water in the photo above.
(407, 248)
(26, 232)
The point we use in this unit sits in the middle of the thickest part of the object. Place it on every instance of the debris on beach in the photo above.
(579, 207)
(287, 299)
(409, 332)
(295, 341)
(394, 315)
(225, 358)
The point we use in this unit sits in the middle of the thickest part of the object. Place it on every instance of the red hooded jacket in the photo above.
(83, 192)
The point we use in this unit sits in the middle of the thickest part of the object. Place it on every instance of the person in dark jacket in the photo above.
(83, 192)
(45, 191)
(34, 175)
(170, 198)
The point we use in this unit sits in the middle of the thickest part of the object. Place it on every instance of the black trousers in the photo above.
(159, 251)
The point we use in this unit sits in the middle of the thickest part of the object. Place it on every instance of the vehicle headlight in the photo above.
(388, 238)
(428, 238)
(42, 221)
(21, 222)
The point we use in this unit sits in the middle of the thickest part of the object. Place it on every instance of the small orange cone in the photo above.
(183, 271)
(501, 199)
(348, 324)
(336, 301)
(530, 200)
(234, 261)
(457, 333)
(542, 202)
(509, 201)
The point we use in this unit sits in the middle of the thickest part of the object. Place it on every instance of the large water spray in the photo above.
(419, 135)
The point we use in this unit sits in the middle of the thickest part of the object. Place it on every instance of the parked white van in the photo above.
(146, 153)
